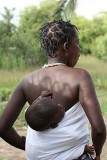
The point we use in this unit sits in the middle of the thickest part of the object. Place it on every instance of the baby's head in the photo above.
(44, 113)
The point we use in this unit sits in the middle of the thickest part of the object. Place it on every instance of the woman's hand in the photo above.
(97, 158)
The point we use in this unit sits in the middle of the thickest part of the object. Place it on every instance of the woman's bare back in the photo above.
(62, 81)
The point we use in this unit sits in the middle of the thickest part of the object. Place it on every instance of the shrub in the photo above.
(5, 94)
(99, 47)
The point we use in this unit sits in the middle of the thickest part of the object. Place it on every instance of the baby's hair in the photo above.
(39, 115)
(55, 33)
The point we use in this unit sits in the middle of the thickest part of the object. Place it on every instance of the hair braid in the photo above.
(54, 33)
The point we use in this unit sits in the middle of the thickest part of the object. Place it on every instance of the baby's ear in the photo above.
(54, 125)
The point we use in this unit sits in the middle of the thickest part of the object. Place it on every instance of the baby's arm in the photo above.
(43, 94)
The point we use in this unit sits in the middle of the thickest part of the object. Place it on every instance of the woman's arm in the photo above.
(89, 101)
(9, 116)
(14, 139)
(97, 158)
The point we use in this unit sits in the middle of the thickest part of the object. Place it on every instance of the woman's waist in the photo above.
(56, 152)
(56, 140)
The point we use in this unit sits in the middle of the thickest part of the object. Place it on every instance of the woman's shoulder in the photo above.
(80, 72)
(83, 75)
(28, 79)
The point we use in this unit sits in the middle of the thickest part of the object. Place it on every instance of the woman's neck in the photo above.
(53, 64)
(56, 61)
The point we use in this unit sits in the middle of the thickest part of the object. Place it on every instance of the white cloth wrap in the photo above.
(65, 142)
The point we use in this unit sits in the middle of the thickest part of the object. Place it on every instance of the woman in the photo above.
(71, 87)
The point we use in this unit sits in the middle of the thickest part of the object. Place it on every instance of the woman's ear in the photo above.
(66, 46)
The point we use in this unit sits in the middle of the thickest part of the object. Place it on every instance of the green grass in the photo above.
(9, 79)
(98, 71)
(96, 67)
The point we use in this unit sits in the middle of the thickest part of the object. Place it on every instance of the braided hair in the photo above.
(55, 33)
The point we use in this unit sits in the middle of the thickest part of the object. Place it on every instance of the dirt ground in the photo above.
(8, 152)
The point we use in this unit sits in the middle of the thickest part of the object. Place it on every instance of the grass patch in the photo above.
(98, 71)
(9, 79)
(94, 66)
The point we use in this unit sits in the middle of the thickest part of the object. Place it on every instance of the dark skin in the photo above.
(50, 117)
(68, 85)
(89, 149)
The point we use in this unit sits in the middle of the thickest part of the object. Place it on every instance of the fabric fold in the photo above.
(66, 142)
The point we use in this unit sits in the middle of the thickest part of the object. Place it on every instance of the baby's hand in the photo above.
(46, 94)
(43, 94)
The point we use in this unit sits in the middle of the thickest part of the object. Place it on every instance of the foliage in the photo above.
(5, 94)
(85, 38)
(20, 47)
(100, 50)
(7, 18)
(64, 9)
(92, 34)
